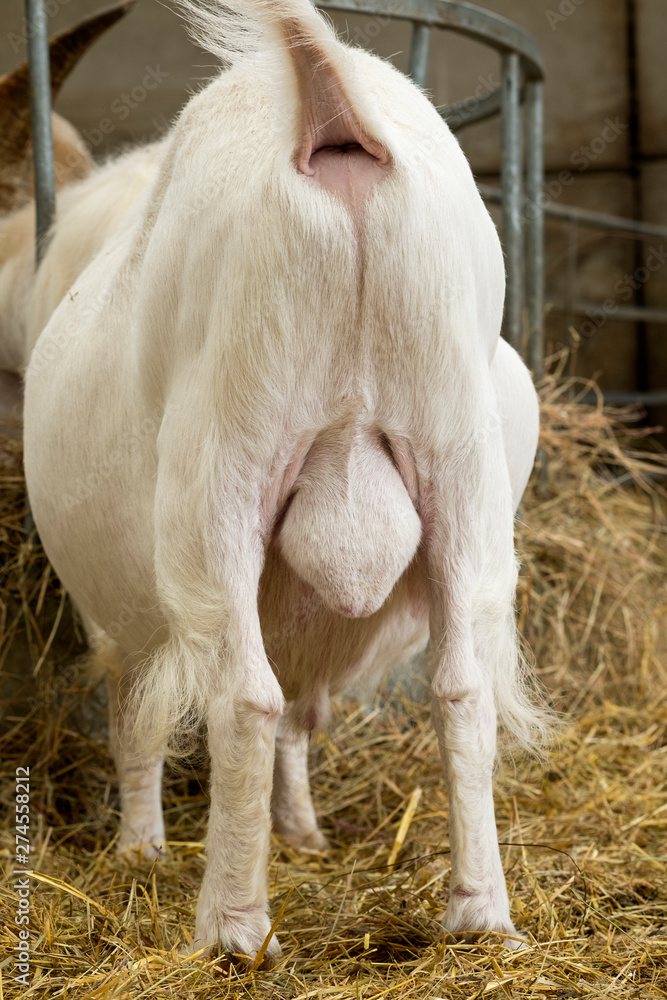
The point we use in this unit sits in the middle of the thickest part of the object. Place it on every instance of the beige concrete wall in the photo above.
(654, 194)
(652, 52)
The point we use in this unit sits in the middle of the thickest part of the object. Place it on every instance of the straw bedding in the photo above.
(584, 835)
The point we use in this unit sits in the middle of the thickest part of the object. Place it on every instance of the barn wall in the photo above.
(654, 198)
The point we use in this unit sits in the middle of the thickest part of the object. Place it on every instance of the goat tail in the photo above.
(248, 25)
(526, 721)
(167, 703)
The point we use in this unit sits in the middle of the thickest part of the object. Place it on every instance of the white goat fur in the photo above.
(263, 339)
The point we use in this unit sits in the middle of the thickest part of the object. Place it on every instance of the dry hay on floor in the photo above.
(588, 886)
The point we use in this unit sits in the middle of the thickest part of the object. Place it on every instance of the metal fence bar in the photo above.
(612, 223)
(600, 220)
(652, 397)
(535, 226)
(586, 217)
(42, 133)
(572, 257)
(421, 39)
(468, 111)
(512, 200)
(467, 19)
(629, 314)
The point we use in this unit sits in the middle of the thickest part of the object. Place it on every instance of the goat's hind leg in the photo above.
(473, 574)
(465, 721)
(292, 807)
(232, 912)
(139, 776)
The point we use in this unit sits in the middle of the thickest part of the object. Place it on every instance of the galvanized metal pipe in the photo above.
(464, 18)
(586, 217)
(421, 39)
(614, 311)
(651, 397)
(471, 110)
(512, 199)
(42, 144)
(571, 279)
(535, 225)
(42, 133)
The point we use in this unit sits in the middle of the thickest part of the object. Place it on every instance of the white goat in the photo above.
(297, 326)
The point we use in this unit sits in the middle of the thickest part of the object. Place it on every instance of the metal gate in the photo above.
(521, 193)
(521, 80)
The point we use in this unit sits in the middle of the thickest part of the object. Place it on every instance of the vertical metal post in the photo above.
(511, 188)
(40, 111)
(535, 225)
(572, 250)
(42, 144)
(421, 39)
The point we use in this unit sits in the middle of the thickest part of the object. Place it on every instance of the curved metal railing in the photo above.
(522, 78)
